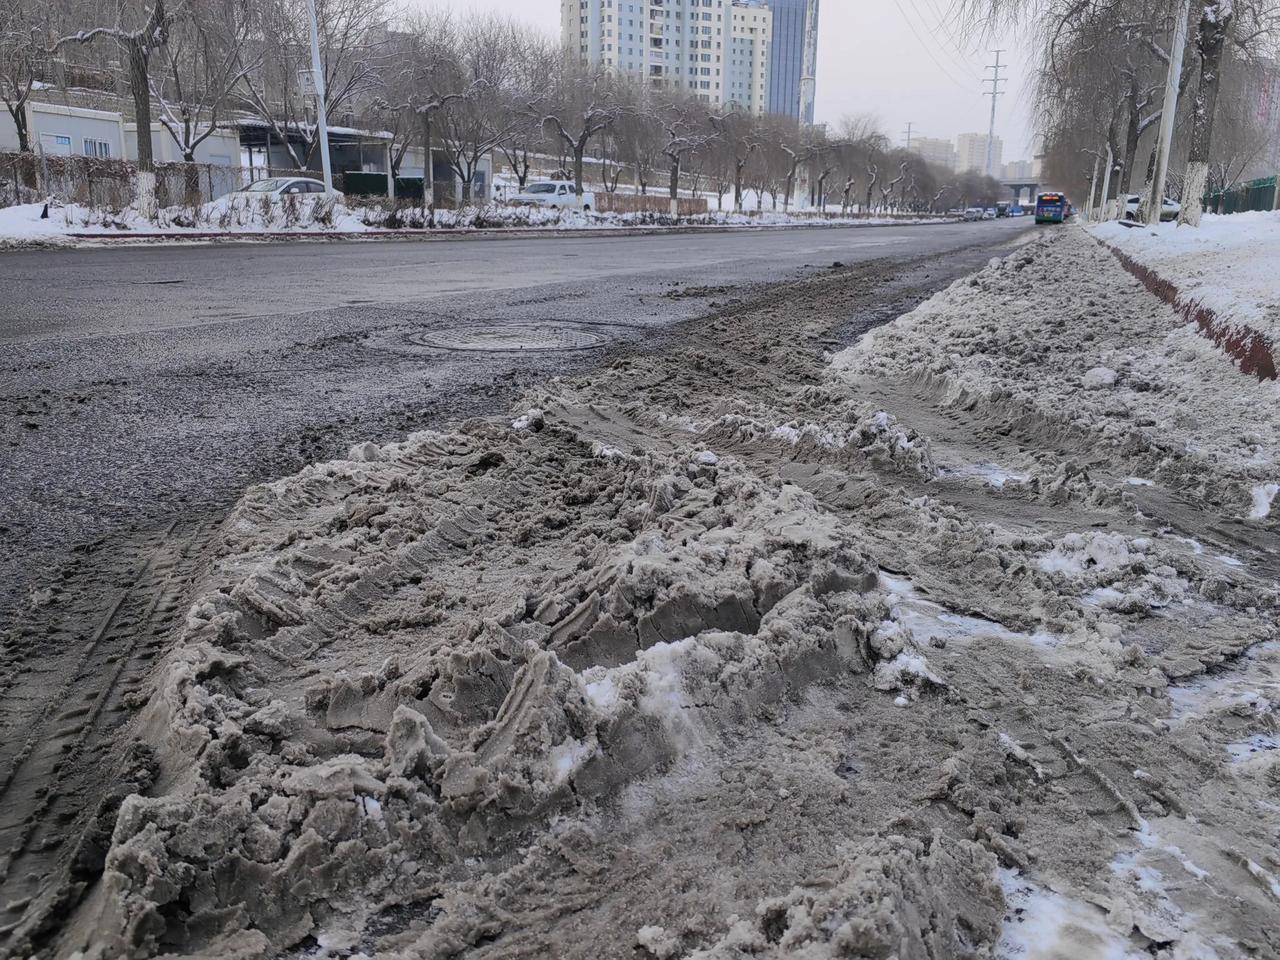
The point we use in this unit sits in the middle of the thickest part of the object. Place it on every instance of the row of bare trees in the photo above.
(1101, 81)
(461, 88)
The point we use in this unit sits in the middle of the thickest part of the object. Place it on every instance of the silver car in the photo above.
(277, 187)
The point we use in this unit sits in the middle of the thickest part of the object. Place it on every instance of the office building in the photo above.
(935, 150)
(971, 154)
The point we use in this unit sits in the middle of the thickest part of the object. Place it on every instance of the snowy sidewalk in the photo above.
(1222, 276)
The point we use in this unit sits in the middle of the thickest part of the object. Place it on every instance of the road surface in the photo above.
(142, 385)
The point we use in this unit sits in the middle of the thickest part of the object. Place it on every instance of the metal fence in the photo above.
(1253, 195)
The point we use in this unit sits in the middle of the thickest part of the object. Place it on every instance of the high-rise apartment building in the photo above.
(717, 50)
(1020, 170)
(935, 150)
(971, 153)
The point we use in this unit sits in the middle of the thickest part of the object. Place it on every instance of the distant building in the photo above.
(786, 65)
(936, 151)
(750, 51)
(971, 154)
(1020, 170)
(717, 50)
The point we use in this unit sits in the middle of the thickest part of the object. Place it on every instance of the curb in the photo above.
(487, 233)
(1253, 351)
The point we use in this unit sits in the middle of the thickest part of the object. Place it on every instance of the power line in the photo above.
(995, 93)
(924, 46)
(964, 61)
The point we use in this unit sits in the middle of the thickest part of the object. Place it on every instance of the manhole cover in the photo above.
(511, 338)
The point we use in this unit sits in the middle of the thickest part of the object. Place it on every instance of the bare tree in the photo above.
(203, 60)
(684, 135)
(584, 102)
(739, 133)
(353, 48)
(23, 26)
(140, 29)
(473, 125)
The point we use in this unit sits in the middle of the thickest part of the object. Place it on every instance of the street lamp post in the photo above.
(322, 116)
(1155, 199)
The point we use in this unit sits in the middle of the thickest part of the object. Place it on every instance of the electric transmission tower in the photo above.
(995, 93)
(907, 134)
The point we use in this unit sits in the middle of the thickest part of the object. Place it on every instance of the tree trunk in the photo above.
(1215, 21)
(579, 150)
(18, 112)
(675, 187)
(1131, 136)
(139, 85)
(737, 189)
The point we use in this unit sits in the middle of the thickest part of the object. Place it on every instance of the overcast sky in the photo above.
(890, 58)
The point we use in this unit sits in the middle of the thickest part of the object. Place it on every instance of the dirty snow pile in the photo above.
(726, 652)
(1227, 264)
(1097, 358)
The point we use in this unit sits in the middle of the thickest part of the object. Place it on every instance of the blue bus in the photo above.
(1052, 208)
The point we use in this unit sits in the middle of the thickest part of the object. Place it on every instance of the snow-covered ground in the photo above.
(742, 650)
(232, 216)
(1228, 264)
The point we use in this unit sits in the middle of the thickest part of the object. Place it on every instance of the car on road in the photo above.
(1169, 210)
(973, 213)
(1017, 211)
(277, 187)
(989, 213)
(554, 193)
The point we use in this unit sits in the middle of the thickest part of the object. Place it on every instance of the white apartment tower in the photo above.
(717, 50)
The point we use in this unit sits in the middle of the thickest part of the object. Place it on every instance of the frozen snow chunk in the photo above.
(1075, 553)
(1264, 495)
(906, 668)
(658, 942)
(1099, 378)
(706, 458)
(535, 419)
(366, 452)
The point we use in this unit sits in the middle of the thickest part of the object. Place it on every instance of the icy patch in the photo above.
(1264, 496)
(1099, 378)
(1040, 924)
(567, 757)
(1229, 561)
(992, 474)
(706, 458)
(1243, 750)
(1251, 686)
(927, 620)
(1139, 482)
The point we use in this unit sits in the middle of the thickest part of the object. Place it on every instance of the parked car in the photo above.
(276, 187)
(989, 213)
(1017, 211)
(1169, 210)
(553, 193)
(973, 213)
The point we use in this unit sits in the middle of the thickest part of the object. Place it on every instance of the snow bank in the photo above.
(239, 215)
(1226, 266)
(1059, 333)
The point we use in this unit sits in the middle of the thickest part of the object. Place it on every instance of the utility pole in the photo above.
(1093, 188)
(322, 114)
(908, 135)
(1106, 184)
(809, 70)
(995, 93)
(1155, 198)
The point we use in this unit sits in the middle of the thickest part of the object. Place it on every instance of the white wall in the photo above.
(62, 130)
(221, 148)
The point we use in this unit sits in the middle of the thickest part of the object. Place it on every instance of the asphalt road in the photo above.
(143, 384)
